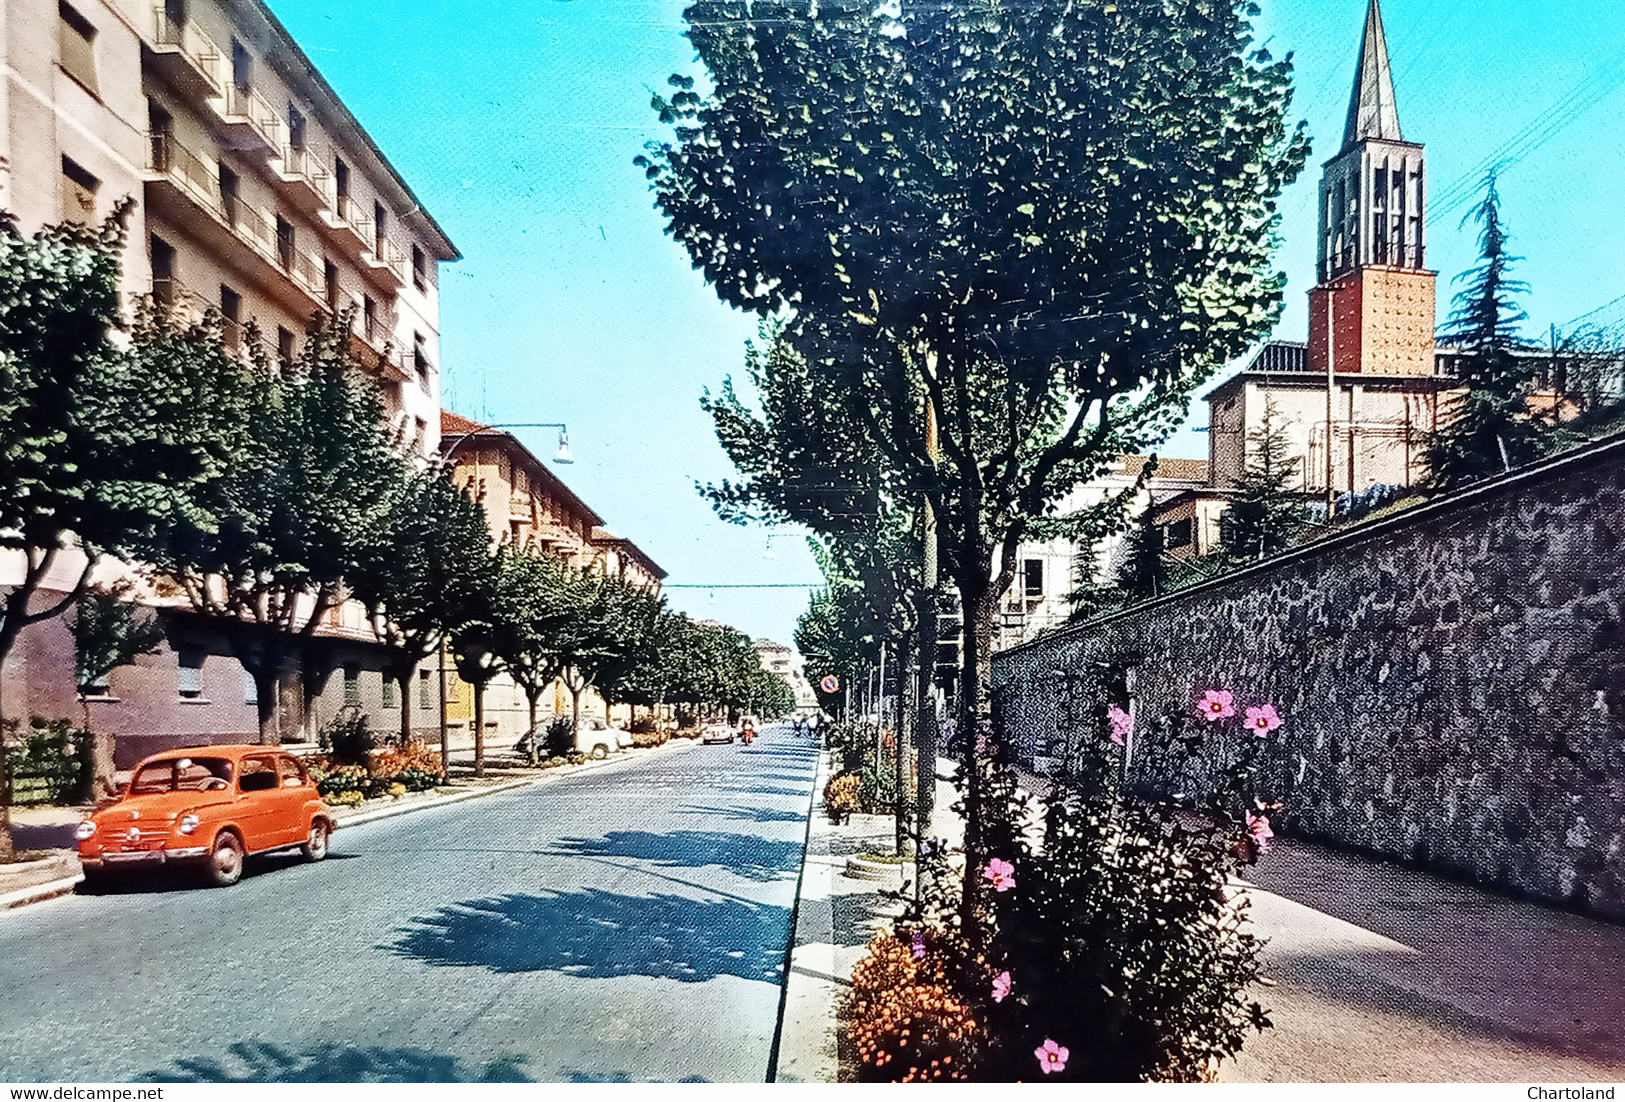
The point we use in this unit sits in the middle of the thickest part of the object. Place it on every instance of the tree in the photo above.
(418, 572)
(995, 242)
(296, 505)
(1262, 516)
(97, 447)
(1489, 429)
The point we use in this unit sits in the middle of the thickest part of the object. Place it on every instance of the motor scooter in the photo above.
(746, 734)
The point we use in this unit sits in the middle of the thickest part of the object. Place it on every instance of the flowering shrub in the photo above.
(412, 768)
(903, 1017)
(349, 798)
(843, 794)
(1107, 948)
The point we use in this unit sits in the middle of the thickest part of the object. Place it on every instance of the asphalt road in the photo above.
(624, 924)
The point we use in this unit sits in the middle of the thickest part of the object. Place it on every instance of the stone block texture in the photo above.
(1452, 680)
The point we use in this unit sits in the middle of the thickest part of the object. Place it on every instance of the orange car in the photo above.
(208, 806)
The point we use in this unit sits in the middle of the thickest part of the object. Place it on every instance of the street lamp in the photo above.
(561, 457)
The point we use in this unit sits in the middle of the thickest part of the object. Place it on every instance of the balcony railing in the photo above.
(306, 176)
(255, 122)
(198, 57)
(388, 259)
(200, 182)
(345, 213)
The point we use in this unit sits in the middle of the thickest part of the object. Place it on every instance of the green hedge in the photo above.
(50, 763)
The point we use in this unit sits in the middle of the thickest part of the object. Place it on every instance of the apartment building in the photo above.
(530, 507)
(255, 193)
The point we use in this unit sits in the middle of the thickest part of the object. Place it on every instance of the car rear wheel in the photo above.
(315, 847)
(225, 866)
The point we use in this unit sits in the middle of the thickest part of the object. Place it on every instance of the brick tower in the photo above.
(1373, 307)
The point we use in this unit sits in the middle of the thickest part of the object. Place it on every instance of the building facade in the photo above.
(257, 194)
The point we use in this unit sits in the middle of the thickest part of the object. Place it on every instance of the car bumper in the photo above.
(122, 859)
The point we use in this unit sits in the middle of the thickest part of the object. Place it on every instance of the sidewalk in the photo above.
(1376, 972)
(52, 828)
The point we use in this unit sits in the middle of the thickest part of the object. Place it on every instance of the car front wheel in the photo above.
(315, 847)
(600, 751)
(226, 861)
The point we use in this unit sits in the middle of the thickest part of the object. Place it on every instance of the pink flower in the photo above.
(918, 945)
(1051, 1056)
(1002, 873)
(1001, 987)
(1262, 720)
(1122, 724)
(1258, 829)
(1217, 704)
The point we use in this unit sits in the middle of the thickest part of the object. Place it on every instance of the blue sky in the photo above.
(516, 122)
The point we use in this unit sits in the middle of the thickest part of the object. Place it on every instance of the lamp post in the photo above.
(561, 457)
(1332, 288)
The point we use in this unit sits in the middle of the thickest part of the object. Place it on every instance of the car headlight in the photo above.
(188, 824)
(86, 831)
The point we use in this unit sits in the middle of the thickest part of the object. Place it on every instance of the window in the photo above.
(423, 431)
(1032, 577)
(284, 344)
(163, 272)
(330, 284)
(189, 676)
(1179, 533)
(231, 310)
(369, 317)
(284, 242)
(420, 360)
(386, 693)
(296, 128)
(425, 691)
(78, 192)
(291, 772)
(76, 39)
(242, 66)
(420, 269)
(352, 685)
(341, 186)
(161, 127)
(229, 184)
(380, 229)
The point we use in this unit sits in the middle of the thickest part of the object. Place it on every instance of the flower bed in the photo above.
(389, 774)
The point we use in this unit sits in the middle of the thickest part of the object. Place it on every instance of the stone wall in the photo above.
(1452, 680)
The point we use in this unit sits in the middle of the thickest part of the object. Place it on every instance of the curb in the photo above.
(805, 1040)
(54, 889)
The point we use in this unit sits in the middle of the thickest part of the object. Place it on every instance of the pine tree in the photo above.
(1262, 516)
(1490, 430)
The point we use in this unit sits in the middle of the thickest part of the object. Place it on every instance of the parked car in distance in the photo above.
(717, 731)
(597, 739)
(207, 807)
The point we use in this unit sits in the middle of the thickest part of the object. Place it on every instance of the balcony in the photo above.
(184, 56)
(302, 179)
(372, 345)
(386, 264)
(349, 226)
(248, 123)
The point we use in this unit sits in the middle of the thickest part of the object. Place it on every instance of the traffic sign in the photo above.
(830, 684)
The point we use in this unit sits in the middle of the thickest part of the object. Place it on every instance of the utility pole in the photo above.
(926, 716)
(1331, 386)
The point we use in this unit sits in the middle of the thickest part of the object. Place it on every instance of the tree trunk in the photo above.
(533, 741)
(926, 718)
(404, 683)
(575, 714)
(907, 720)
(266, 687)
(479, 729)
(7, 849)
(979, 606)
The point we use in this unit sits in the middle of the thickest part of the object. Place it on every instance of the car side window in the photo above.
(293, 774)
(258, 774)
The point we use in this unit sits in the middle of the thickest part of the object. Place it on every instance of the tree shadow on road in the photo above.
(742, 854)
(748, 814)
(258, 1062)
(599, 934)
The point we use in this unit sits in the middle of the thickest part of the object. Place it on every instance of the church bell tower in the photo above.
(1372, 310)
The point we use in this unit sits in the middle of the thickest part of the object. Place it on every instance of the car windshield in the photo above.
(181, 775)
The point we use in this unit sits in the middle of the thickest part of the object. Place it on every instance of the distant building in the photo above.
(528, 506)
(784, 663)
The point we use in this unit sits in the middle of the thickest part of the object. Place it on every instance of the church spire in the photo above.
(1373, 111)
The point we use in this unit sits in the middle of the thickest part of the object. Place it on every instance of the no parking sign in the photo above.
(830, 684)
